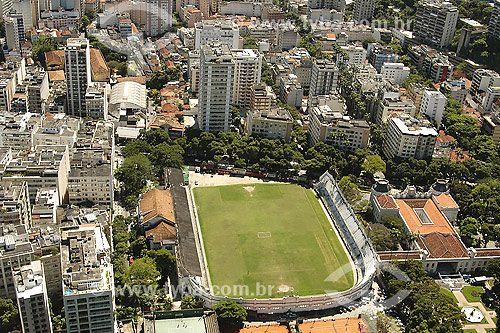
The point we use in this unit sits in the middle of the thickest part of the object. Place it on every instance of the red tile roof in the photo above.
(439, 245)
(386, 201)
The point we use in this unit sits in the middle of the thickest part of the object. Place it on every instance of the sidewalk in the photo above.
(488, 315)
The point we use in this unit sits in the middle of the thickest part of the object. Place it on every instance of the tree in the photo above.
(381, 237)
(134, 173)
(191, 302)
(143, 272)
(425, 309)
(230, 314)
(164, 260)
(42, 45)
(373, 164)
(250, 42)
(138, 246)
(9, 318)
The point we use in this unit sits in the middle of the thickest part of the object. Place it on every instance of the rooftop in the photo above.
(157, 202)
(441, 245)
(422, 216)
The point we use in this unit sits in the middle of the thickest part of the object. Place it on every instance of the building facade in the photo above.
(78, 76)
(435, 23)
(216, 88)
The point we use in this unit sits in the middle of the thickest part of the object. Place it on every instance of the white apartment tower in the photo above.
(494, 25)
(433, 105)
(395, 72)
(158, 17)
(363, 10)
(435, 23)
(408, 138)
(247, 68)
(77, 68)
(324, 77)
(226, 32)
(216, 88)
(14, 30)
(32, 298)
(88, 287)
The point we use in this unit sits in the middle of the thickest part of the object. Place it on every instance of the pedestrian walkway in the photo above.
(488, 315)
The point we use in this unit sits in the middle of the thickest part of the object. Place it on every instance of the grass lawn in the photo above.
(468, 292)
(448, 293)
(270, 234)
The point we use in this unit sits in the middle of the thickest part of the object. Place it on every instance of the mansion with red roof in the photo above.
(429, 217)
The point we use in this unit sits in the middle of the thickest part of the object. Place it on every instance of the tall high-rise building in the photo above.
(158, 17)
(338, 5)
(216, 88)
(77, 67)
(30, 10)
(32, 298)
(324, 77)
(433, 105)
(223, 31)
(494, 25)
(87, 279)
(435, 23)
(5, 8)
(247, 68)
(14, 30)
(363, 10)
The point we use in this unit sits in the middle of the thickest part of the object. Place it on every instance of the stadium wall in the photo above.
(357, 243)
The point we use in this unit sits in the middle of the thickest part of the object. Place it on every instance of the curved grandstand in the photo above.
(359, 248)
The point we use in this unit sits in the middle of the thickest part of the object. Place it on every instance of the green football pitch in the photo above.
(270, 235)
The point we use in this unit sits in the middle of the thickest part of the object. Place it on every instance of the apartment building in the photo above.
(363, 11)
(397, 72)
(78, 76)
(356, 54)
(379, 55)
(415, 92)
(16, 131)
(15, 203)
(87, 279)
(159, 16)
(216, 88)
(14, 30)
(435, 23)
(433, 105)
(247, 69)
(57, 129)
(434, 64)
(37, 88)
(329, 126)
(481, 81)
(324, 77)
(393, 106)
(338, 5)
(456, 88)
(91, 177)
(409, 138)
(44, 167)
(261, 97)
(291, 91)
(32, 298)
(226, 32)
(288, 37)
(272, 123)
(494, 24)
(15, 251)
(96, 100)
(491, 127)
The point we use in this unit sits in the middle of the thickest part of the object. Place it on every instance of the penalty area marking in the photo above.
(264, 234)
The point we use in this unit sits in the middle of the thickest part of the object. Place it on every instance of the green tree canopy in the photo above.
(43, 44)
(143, 272)
(9, 318)
(230, 314)
(189, 302)
(373, 164)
